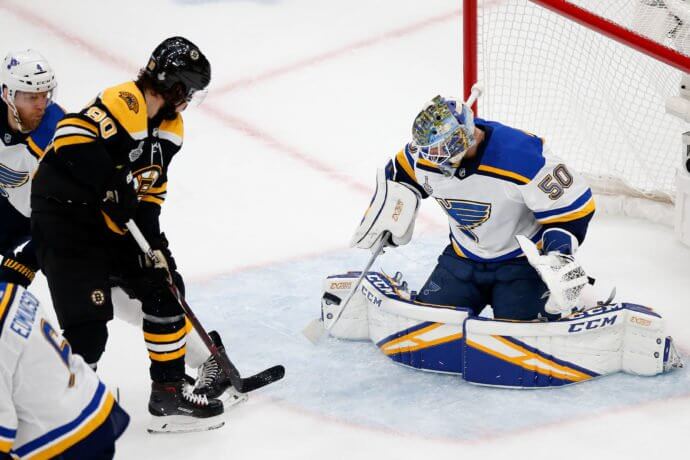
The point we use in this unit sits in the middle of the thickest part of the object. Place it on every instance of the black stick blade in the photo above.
(263, 378)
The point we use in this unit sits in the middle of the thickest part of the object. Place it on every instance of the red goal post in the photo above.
(592, 78)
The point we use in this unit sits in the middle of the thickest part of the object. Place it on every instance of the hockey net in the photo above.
(549, 67)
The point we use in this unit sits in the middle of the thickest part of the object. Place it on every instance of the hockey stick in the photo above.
(315, 330)
(242, 385)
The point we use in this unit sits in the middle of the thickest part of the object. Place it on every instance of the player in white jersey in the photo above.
(494, 182)
(52, 405)
(28, 118)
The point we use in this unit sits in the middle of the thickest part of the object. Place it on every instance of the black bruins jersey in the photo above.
(112, 134)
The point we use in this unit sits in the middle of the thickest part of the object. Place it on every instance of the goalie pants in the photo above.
(513, 288)
(80, 258)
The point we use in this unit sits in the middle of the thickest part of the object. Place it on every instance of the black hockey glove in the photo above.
(120, 200)
(161, 273)
(14, 271)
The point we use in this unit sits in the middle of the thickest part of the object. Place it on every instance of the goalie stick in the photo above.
(315, 330)
(241, 384)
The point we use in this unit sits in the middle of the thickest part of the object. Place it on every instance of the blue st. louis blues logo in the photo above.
(9, 178)
(468, 214)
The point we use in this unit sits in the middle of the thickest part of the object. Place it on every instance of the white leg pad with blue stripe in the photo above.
(412, 334)
(600, 341)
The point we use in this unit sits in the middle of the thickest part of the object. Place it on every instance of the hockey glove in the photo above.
(392, 211)
(163, 271)
(120, 200)
(562, 275)
(13, 271)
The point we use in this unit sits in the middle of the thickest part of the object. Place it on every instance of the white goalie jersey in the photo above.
(49, 398)
(513, 186)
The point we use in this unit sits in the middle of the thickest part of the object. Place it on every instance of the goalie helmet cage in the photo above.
(591, 77)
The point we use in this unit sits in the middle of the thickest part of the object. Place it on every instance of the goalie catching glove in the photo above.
(562, 274)
(393, 209)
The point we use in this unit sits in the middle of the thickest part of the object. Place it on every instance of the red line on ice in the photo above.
(96, 52)
(103, 55)
(403, 31)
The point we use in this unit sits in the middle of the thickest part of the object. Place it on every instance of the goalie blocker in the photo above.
(393, 209)
(600, 341)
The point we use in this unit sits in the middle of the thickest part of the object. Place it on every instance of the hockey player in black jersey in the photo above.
(108, 164)
(28, 118)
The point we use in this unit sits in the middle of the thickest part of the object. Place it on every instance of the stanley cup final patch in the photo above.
(98, 297)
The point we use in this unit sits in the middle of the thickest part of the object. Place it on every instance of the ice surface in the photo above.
(308, 98)
(353, 381)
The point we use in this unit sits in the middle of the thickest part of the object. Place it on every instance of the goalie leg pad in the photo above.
(353, 324)
(420, 336)
(601, 341)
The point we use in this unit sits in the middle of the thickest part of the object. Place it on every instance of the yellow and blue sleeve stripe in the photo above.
(63, 437)
(503, 174)
(583, 206)
(7, 436)
(36, 151)
(405, 162)
(427, 165)
(462, 251)
(510, 154)
(405, 170)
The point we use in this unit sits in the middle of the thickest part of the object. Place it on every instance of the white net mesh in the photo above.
(600, 104)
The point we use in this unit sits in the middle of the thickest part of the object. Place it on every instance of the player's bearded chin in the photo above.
(30, 119)
(167, 112)
(173, 98)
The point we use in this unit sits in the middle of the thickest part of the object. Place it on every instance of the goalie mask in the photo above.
(443, 131)
(25, 74)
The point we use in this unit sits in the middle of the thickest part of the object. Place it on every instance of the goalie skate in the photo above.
(672, 359)
(213, 383)
(175, 408)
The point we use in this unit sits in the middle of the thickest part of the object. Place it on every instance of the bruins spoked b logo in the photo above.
(98, 297)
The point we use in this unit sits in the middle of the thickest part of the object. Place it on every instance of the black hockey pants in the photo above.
(80, 258)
